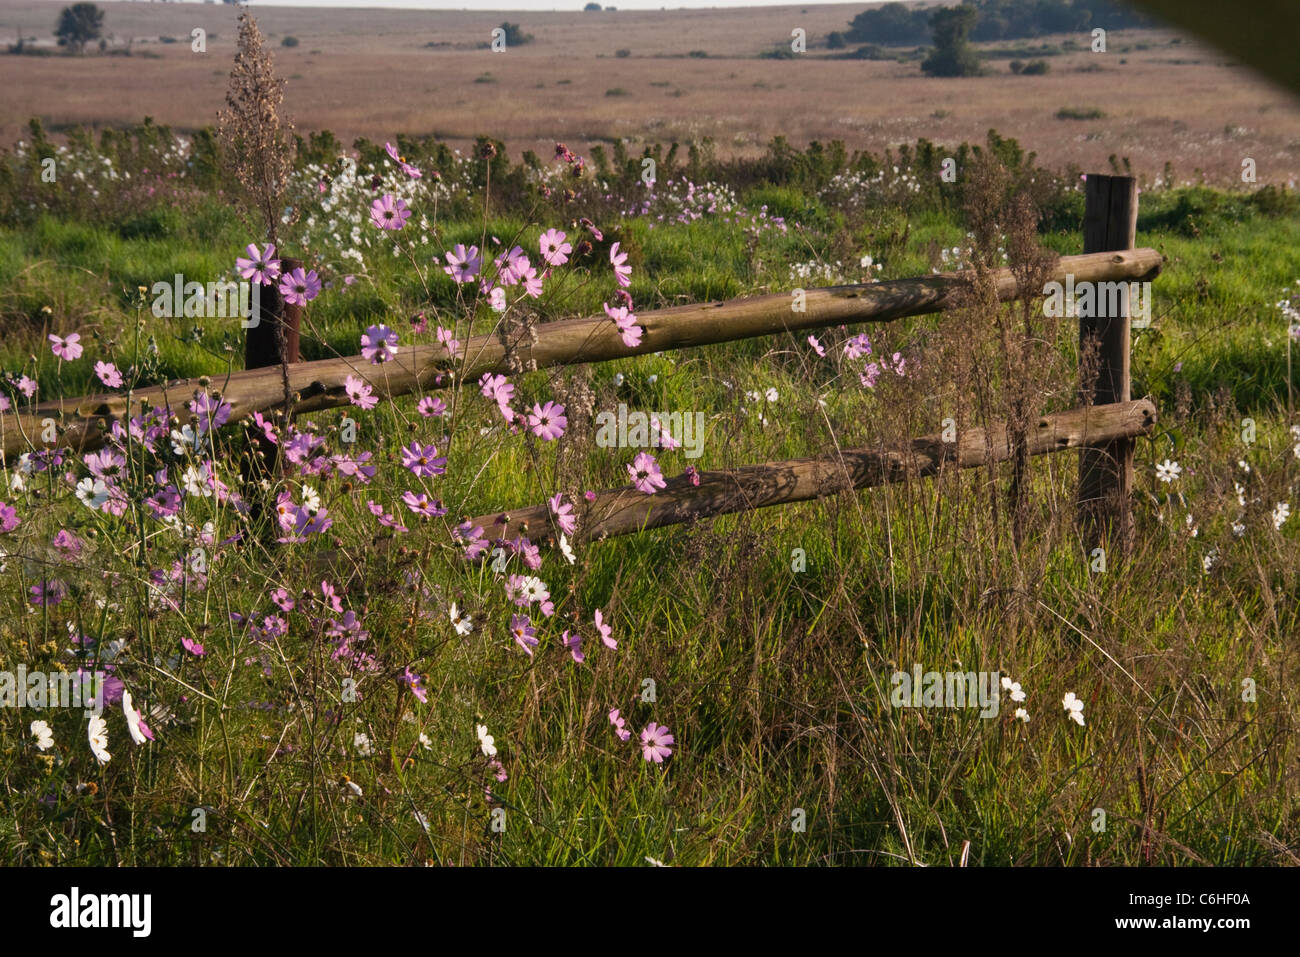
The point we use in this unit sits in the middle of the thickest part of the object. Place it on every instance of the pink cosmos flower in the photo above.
(590, 227)
(108, 374)
(8, 518)
(463, 264)
(869, 375)
(646, 476)
(360, 393)
(422, 506)
(447, 338)
(564, 516)
(555, 251)
(407, 168)
(622, 272)
(282, 600)
(573, 642)
(626, 322)
(605, 631)
(300, 287)
(27, 386)
(496, 388)
(431, 406)
(389, 212)
(619, 724)
(547, 421)
(385, 518)
(379, 344)
(69, 348)
(193, 647)
(423, 460)
(524, 633)
(899, 363)
(655, 741)
(511, 266)
(532, 283)
(259, 267)
(497, 298)
(817, 346)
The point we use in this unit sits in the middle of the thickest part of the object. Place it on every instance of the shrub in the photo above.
(625, 52)
(289, 42)
(1079, 113)
(1036, 67)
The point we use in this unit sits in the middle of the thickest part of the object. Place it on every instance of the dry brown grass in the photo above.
(366, 72)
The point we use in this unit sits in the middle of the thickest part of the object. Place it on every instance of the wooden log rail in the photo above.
(320, 385)
(625, 510)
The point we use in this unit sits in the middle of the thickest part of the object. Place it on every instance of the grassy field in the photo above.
(687, 75)
(327, 676)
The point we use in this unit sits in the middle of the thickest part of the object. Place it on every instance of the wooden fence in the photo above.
(1104, 426)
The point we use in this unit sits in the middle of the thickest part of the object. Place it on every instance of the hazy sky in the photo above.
(546, 4)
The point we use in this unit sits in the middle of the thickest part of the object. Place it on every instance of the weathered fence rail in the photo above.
(320, 384)
(623, 510)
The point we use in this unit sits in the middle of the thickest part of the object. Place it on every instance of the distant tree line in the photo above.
(895, 24)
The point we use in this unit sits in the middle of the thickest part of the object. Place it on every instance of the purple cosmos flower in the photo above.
(573, 642)
(300, 287)
(869, 375)
(899, 363)
(212, 412)
(27, 386)
(463, 264)
(69, 348)
(423, 460)
(49, 592)
(555, 251)
(655, 741)
(524, 633)
(360, 392)
(431, 406)
(416, 684)
(379, 344)
(622, 272)
(817, 346)
(66, 542)
(9, 519)
(259, 267)
(858, 346)
(645, 473)
(547, 421)
(389, 212)
(108, 374)
(619, 724)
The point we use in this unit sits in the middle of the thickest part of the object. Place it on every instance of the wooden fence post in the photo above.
(1106, 473)
(262, 342)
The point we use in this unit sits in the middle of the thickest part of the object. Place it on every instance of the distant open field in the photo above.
(375, 73)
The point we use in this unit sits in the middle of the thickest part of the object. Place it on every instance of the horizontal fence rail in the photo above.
(82, 423)
(625, 510)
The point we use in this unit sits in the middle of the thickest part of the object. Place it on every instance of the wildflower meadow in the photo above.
(382, 620)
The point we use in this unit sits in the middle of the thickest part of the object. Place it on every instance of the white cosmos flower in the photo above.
(772, 395)
(1167, 471)
(196, 482)
(424, 740)
(485, 741)
(462, 623)
(1021, 715)
(97, 734)
(1280, 514)
(92, 492)
(1073, 708)
(132, 719)
(43, 735)
(310, 499)
(361, 741)
(184, 438)
(1013, 687)
(565, 550)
